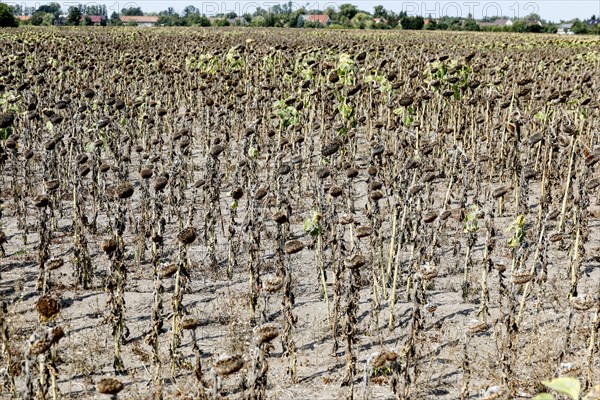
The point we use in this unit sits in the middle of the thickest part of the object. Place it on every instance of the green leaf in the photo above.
(252, 152)
(540, 116)
(543, 396)
(312, 225)
(5, 133)
(567, 386)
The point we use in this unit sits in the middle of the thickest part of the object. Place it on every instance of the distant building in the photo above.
(141, 20)
(321, 19)
(96, 19)
(23, 18)
(534, 21)
(502, 22)
(565, 29)
(593, 21)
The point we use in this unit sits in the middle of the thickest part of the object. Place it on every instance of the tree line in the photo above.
(347, 16)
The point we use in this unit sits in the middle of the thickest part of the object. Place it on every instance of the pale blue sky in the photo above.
(553, 10)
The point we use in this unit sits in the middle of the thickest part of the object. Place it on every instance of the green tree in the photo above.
(534, 28)
(393, 19)
(258, 21)
(17, 9)
(132, 11)
(361, 21)
(170, 11)
(42, 18)
(87, 21)
(202, 21)
(579, 27)
(380, 12)
(171, 20)
(471, 25)
(413, 23)
(220, 22)
(432, 25)
(247, 18)
(37, 18)
(52, 8)
(348, 11)
(114, 19)
(7, 18)
(189, 11)
(519, 26)
(74, 16)
(97, 10)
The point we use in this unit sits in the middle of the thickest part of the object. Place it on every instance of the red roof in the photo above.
(96, 19)
(320, 18)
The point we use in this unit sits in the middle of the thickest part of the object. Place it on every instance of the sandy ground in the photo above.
(221, 306)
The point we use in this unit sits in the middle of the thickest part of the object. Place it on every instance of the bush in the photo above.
(7, 19)
(220, 22)
(414, 23)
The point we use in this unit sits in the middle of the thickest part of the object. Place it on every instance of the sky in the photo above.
(551, 10)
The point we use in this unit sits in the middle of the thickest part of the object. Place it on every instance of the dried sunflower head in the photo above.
(110, 386)
(228, 364)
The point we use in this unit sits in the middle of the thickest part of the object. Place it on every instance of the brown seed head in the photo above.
(39, 347)
(41, 201)
(280, 217)
(124, 191)
(6, 119)
(237, 193)
(355, 261)
(429, 216)
(228, 364)
(168, 271)
(521, 277)
(363, 231)
(188, 235)
(55, 263)
(48, 307)
(56, 334)
(501, 191)
(383, 358)
(216, 150)
(189, 323)
(335, 191)
(109, 386)
(160, 183)
(293, 246)
(582, 302)
(146, 173)
(109, 245)
(330, 149)
(476, 327)
(266, 333)
(260, 194)
(272, 283)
